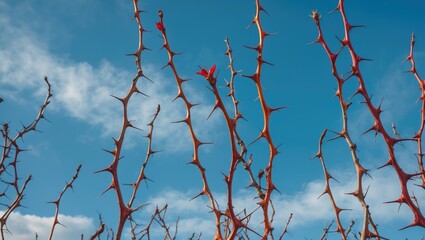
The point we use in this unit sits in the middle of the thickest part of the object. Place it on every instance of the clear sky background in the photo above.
(81, 46)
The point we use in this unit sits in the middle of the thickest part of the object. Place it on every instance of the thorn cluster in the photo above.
(159, 217)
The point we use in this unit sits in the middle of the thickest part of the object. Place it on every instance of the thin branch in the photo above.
(58, 200)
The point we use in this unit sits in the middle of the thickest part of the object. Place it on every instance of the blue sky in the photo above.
(81, 46)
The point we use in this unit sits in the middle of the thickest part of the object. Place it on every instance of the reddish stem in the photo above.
(419, 133)
(267, 110)
(11, 144)
(377, 126)
(231, 125)
(328, 190)
(125, 210)
(58, 200)
(188, 120)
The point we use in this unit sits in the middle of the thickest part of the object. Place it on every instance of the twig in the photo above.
(58, 200)
(99, 231)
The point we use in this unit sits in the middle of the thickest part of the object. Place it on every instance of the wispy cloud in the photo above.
(83, 91)
(308, 210)
(194, 216)
(25, 226)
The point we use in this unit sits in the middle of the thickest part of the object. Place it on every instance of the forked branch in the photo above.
(10, 158)
(126, 209)
(377, 126)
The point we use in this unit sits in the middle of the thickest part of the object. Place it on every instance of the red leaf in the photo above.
(212, 70)
(203, 72)
(160, 26)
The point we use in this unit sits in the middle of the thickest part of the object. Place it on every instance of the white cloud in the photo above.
(25, 226)
(84, 91)
(308, 211)
(195, 217)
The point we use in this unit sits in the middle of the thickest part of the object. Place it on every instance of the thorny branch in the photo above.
(326, 231)
(237, 115)
(377, 126)
(142, 175)
(231, 124)
(234, 225)
(149, 153)
(58, 200)
(99, 231)
(285, 229)
(419, 133)
(188, 120)
(267, 110)
(327, 190)
(125, 210)
(159, 217)
(237, 156)
(11, 151)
